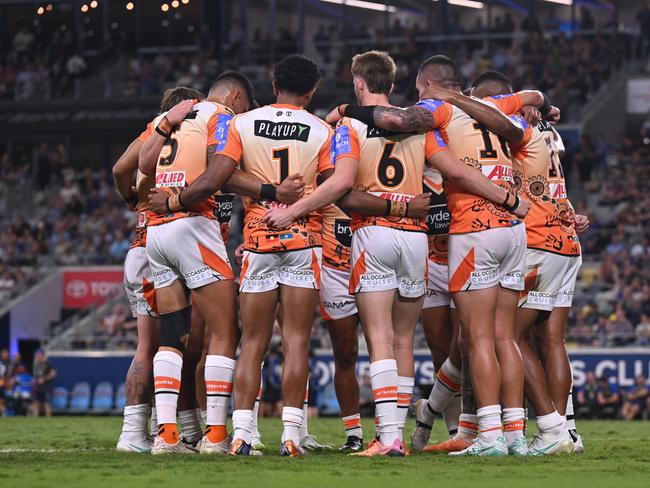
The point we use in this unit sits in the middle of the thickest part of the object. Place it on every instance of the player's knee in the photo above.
(346, 357)
(175, 328)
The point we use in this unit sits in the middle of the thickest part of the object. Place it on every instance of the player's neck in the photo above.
(374, 99)
(289, 99)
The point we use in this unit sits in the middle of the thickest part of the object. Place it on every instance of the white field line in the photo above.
(13, 450)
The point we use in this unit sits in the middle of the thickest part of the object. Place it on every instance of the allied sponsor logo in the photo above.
(558, 190)
(497, 172)
(280, 131)
(170, 179)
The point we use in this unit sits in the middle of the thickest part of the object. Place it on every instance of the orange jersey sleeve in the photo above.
(519, 150)
(509, 104)
(146, 133)
(433, 144)
(346, 141)
(326, 155)
(223, 133)
(441, 112)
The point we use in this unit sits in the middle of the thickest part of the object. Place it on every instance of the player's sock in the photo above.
(489, 422)
(383, 378)
(292, 418)
(153, 422)
(570, 415)
(451, 414)
(352, 424)
(198, 415)
(204, 416)
(256, 410)
(513, 424)
(445, 386)
(218, 386)
(552, 422)
(190, 425)
(405, 386)
(134, 426)
(167, 383)
(242, 422)
(304, 426)
(468, 426)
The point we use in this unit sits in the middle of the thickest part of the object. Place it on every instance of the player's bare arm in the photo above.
(476, 183)
(366, 204)
(123, 173)
(410, 119)
(290, 190)
(493, 119)
(151, 149)
(334, 188)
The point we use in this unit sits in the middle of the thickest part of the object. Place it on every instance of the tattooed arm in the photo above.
(410, 119)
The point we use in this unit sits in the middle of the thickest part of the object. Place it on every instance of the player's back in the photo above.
(276, 141)
(539, 177)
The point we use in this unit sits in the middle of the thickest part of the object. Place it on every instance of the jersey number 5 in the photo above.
(168, 153)
(391, 170)
(282, 155)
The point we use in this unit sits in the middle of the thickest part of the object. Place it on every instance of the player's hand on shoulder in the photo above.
(553, 117)
(522, 209)
(531, 115)
(291, 189)
(158, 201)
(178, 112)
(277, 217)
(582, 223)
(418, 207)
(334, 116)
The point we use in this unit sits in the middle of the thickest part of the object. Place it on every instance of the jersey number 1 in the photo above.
(489, 152)
(282, 155)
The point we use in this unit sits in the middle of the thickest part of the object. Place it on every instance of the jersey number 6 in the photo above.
(391, 170)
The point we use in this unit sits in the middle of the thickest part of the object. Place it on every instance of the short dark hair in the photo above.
(377, 69)
(173, 96)
(239, 79)
(490, 76)
(296, 74)
(442, 70)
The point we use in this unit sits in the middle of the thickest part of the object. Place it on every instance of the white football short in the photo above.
(336, 301)
(262, 272)
(483, 259)
(189, 248)
(437, 286)
(386, 259)
(138, 283)
(550, 280)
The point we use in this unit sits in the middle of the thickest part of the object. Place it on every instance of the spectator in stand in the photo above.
(4, 374)
(636, 400)
(587, 397)
(607, 398)
(44, 374)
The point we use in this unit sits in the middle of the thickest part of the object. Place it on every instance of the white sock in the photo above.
(352, 424)
(304, 427)
(383, 377)
(489, 422)
(204, 416)
(153, 422)
(134, 426)
(513, 423)
(190, 425)
(468, 426)
(167, 367)
(445, 386)
(218, 387)
(242, 421)
(292, 418)
(405, 386)
(256, 411)
(570, 415)
(451, 414)
(552, 422)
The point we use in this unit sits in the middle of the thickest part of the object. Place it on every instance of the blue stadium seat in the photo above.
(120, 399)
(102, 398)
(59, 399)
(328, 404)
(80, 398)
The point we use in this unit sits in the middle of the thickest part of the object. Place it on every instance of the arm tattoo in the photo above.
(411, 119)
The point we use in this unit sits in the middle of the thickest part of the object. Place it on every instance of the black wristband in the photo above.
(268, 192)
(388, 207)
(132, 199)
(362, 114)
(162, 133)
(406, 214)
(505, 201)
(546, 106)
(513, 207)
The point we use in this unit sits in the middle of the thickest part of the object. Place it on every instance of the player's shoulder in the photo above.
(431, 104)
(208, 109)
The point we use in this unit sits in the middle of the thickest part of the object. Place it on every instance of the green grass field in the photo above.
(78, 451)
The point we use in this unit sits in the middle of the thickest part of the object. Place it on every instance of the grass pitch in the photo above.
(79, 451)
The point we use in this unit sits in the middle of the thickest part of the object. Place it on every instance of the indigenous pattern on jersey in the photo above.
(271, 143)
(472, 144)
(439, 217)
(539, 178)
(337, 238)
(391, 166)
(143, 184)
(183, 158)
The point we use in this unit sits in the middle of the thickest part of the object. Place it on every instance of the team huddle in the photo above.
(452, 211)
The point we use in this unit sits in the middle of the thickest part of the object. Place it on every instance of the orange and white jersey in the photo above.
(142, 186)
(439, 217)
(539, 178)
(183, 158)
(472, 144)
(337, 238)
(391, 166)
(271, 143)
